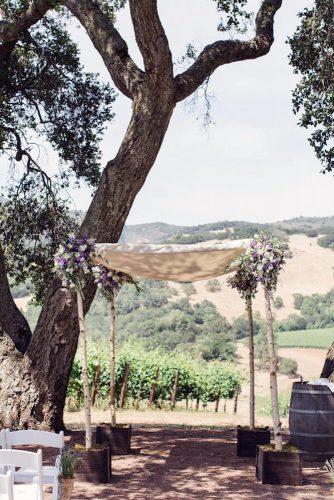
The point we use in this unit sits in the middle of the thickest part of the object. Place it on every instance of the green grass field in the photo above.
(321, 338)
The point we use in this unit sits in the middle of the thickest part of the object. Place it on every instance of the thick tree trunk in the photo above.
(273, 374)
(12, 320)
(45, 368)
(251, 365)
(112, 363)
(85, 380)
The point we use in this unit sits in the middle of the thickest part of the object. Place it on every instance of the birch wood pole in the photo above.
(273, 374)
(251, 364)
(112, 361)
(87, 398)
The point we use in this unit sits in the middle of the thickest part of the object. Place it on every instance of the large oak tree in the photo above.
(35, 367)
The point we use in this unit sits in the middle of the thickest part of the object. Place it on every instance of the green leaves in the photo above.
(312, 58)
(197, 380)
(234, 15)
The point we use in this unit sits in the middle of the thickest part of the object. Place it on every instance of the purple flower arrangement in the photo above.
(261, 263)
(109, 282)
(73, 261)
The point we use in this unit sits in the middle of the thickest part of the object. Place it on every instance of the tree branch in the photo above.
(108, 42)
(9, 32)
(228, 51)
(12, 321)
(151, 39)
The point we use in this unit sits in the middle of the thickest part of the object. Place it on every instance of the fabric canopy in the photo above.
(169, 262)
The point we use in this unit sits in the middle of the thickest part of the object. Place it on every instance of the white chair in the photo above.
(38, 438)
(3, 438)
(2, 446)
(6, 486)
(25, 459)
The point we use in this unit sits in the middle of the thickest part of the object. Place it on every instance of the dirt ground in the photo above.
(194, 463)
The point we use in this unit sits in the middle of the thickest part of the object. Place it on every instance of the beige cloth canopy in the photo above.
(169, 262)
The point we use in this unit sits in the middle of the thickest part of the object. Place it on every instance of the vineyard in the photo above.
(155, 378)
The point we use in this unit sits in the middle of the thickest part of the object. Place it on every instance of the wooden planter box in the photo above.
(278, 467)
(95, 466)
(247, 440)
(118, 438)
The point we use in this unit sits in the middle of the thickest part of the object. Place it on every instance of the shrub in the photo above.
(278, 302)
(312, 233)
(240, 325)
(287, 366)
(213, 285)
(188, 289)
(327, 241)
(298, 301)
(292, 322)
(283, 401)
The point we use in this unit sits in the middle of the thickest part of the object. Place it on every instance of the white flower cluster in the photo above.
(73, 261)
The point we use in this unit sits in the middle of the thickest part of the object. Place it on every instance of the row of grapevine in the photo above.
(156, 377)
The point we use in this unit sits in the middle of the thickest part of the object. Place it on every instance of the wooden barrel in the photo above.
(311, 421)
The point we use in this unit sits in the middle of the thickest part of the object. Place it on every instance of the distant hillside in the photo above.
(158, 232)
(309, 271)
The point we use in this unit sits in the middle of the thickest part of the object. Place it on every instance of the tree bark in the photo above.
(85, 381)
(251, 364)
(273, 374)
(112, 361)
(95, 384)
(12, 320)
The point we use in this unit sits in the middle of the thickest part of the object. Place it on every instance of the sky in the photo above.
(253, 163)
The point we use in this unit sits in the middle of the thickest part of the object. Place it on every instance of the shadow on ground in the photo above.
(194, 464)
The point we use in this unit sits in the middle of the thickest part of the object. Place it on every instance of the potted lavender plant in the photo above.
(69, 461)
(245, 282)
(73, 265)
(109, 283)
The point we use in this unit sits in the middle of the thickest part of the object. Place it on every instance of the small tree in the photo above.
(109, 282)
(266, 258)
(188, 289)
(73, 264)
(213, 285)
(246, 284)
(278, 302)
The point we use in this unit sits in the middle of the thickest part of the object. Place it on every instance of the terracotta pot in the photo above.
(65, 488)
(119, 438)
(247, 440)
(278, 467)
(95, 466)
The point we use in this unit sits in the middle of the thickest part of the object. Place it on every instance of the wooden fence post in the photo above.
(235, 409)
(153, 387)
